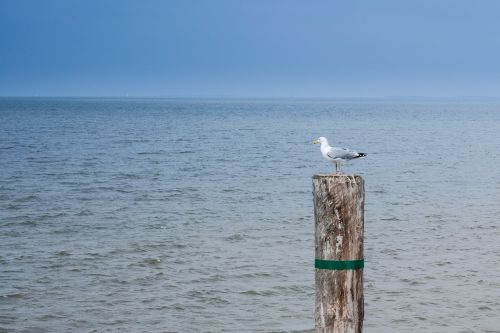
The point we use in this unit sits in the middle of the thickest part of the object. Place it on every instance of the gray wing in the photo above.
(342, 153)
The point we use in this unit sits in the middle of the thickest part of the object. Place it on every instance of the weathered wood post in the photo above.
(339, 224)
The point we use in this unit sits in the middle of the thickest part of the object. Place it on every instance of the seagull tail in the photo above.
(361, 155)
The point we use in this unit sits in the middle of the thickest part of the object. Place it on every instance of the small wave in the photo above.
(93, 255)
(258, 293)
(128, 141)
(87, 190)
(294, 288)
(24, 221)
(73, 183)
(231, 190)
(118, 281)
(415, 283)
(84, 212)
(122, 190)
(216, 300)
(212, 278)
(235, 238)
(28, 198)
(482, 227)
(160, 307)
(393, 218)
(159, 226)
(85, 198)
(253, 275)
(178, 306)
(12, 296)
(50, 216)
(106, 188)
(127, 176)
(63, 230)
(149, 300)
(152, 261)
(444, 263)
(151, 152)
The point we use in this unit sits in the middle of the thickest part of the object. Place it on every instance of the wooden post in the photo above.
(339, 224)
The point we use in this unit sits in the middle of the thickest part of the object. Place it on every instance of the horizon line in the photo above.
(257, 97)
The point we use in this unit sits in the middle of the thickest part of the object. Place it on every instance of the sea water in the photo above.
(165, 215)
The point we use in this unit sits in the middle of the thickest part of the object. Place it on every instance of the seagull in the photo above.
(335, 154)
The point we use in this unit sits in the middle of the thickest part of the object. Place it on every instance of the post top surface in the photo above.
(334, 175)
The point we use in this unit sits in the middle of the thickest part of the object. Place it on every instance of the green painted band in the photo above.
(339, 264)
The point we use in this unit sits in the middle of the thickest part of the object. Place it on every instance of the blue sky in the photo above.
(253, 48)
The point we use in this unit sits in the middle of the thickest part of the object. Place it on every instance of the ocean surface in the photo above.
(158, 215)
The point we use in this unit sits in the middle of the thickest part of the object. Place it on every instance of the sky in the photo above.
(252, 48)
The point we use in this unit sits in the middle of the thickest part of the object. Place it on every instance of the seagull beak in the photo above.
(315, 142)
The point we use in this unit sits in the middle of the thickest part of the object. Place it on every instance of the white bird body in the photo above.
(337, 155)
(325, 148)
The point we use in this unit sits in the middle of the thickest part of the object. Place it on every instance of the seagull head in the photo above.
(320, 140)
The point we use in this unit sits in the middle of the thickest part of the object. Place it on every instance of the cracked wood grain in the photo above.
(339, 225)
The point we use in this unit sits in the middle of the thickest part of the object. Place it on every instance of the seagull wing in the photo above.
(343, 153)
